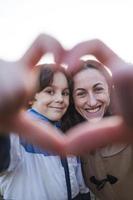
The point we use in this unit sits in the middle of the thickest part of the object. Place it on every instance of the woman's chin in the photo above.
(94, 120)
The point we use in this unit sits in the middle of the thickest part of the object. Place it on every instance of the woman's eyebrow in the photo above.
(99, 83)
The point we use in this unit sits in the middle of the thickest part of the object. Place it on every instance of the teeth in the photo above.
(93, 110)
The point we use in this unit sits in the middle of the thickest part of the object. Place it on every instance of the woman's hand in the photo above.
(94, 47)
(18, 80)
(18, 83)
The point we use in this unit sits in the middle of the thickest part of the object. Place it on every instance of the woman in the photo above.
(27, 171)
(107, 170)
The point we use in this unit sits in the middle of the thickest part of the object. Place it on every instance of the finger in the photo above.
(87, 137)
(46, 137)
(42, 45)
(93, 47)
(123, 80)
(17, 86)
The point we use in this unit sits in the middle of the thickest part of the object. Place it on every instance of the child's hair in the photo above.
(46, 74)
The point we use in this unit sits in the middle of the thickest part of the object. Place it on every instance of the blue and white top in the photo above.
(30, 173)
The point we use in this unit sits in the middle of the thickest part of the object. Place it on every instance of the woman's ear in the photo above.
(109, 101)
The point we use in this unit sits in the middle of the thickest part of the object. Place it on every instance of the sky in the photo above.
(70, 21)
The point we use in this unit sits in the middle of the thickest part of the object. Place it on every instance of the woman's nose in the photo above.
(91, 100)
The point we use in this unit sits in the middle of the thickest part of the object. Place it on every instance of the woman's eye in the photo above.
(81, 94)
(99, 89)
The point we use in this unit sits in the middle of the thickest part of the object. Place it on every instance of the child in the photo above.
(28, 172)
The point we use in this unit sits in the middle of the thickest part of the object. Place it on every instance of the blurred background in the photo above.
(70, 21)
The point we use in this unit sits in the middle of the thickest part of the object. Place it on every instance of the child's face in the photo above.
(91, 94)
(53, 100)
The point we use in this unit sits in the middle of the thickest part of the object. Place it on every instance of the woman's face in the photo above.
(91, 94)
(53, 100)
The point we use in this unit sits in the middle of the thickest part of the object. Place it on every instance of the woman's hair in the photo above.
(46, 75)
(84, 65)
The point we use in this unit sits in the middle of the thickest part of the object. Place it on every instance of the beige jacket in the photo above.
(114, 160)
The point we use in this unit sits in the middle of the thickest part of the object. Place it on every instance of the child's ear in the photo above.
(36, 96)
(31, 102)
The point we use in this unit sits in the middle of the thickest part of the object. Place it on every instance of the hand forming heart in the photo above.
(20, 86)
(113, 129)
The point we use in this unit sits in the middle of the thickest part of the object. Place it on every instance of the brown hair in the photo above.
(46, 74)
(84, 65)
(98, 66)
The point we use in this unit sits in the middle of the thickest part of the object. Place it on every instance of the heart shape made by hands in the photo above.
(17, 85)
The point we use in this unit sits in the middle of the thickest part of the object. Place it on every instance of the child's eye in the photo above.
(51, 92)
(66, 93)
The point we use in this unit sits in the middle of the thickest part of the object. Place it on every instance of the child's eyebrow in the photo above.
(79, 89)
